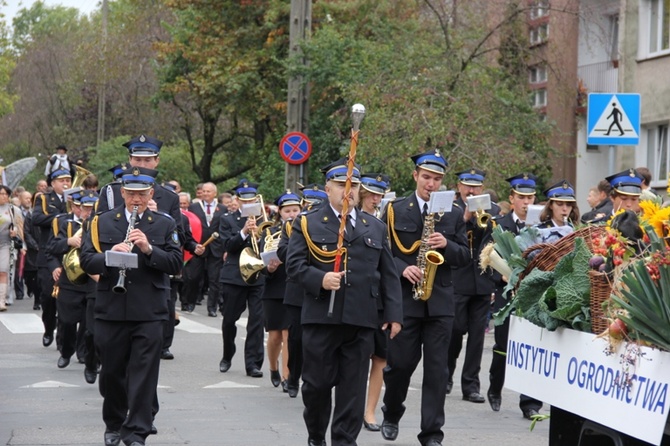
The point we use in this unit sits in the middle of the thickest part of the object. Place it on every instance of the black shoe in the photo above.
(191, 308)
(474, 397)
(153, 430)
(450, 385)
(211, 313)
(90, 375)
(36, 307)
(389, 430)
(372, 427)
(275, 378)
(81, 360)
(495, 401)
(255, 373)
(224, 366)
(292, 391)
(167, 354)
(529, 414)
(63, 362)
(112, 438)
(311, 442)
(433, 442)
(136, 443)
(284, 386)
(184, 307)
(47, 339)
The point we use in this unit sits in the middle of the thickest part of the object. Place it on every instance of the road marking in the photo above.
(22, 323)
(190, 326)
(230, 385)
(48, 385)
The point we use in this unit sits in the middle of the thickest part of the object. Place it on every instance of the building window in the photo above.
(657, 152)
(540, 97)
(539, 34)
(539, 8)
(658, 25)
(538, 74)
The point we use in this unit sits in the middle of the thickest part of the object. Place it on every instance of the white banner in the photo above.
(626, 390)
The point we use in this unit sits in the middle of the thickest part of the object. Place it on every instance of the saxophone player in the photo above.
(129, 324)
(427, 324)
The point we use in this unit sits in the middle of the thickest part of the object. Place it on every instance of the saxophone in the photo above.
(427, 261)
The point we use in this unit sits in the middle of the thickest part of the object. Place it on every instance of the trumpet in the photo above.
(483, 218)
(251, 263)
(120, 287)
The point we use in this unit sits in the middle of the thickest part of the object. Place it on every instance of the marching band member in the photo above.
(130, 315)
(522, 195)
(427, 325)
(373, 188)
(561, 208)
(473, 289)
(275, 312)
(337, 347)
(237, 233)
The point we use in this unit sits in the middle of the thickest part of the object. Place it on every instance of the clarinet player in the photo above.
(130, 313)
(427, 325)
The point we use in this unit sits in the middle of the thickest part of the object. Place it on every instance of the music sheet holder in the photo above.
(117, 259)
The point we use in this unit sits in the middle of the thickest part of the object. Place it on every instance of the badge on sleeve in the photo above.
(175, 238)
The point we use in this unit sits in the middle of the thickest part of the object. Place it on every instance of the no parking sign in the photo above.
(295, 148)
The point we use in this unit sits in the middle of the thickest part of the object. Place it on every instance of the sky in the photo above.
(13, 6)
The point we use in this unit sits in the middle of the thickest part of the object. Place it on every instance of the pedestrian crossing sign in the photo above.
(613, 119)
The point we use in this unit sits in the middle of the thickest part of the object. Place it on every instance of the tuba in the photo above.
(80, 175)
(251, 263)
(428, 260)
(71, 265)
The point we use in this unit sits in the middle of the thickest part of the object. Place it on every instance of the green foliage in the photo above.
(7, 64)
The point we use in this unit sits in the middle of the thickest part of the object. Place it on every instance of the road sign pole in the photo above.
(298, 92)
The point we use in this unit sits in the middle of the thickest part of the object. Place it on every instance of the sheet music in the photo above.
(479, 202)
(268, 256)
(251, 210)
(118, 259)
(441, 201)
(533, 214)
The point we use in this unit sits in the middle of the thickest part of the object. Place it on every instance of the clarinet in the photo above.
(120, 287)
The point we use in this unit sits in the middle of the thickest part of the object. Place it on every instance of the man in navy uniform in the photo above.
(337, 347)
(427, 325)
(129, 324)
(473, 291)
(522, 195)
(143, 151)
(47, 206)
(237, 233)
(71, 302)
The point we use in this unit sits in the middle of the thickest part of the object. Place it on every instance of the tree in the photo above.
(7, 64)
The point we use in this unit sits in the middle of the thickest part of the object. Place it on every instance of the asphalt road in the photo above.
(43, 405)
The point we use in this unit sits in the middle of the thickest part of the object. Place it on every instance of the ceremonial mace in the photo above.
(357, 114)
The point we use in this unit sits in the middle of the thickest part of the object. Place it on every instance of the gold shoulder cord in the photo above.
(94, 234)
(320, 254)
(54, 226)
(289, 228)
(44, 204)
(394, 236)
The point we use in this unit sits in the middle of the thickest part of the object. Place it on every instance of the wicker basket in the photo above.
(552, 253)
(601, 288)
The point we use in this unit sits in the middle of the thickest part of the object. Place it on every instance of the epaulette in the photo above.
(456, 204)
(309, 211)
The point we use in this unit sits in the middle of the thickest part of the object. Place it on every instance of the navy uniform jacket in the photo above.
(294, 294)
(47, 206)
(408, 226)
(371, 273)
(230, 226)
(148, 286)
(215, 247)
(507, 222)
(469, 280)
(64, 226)
(166, 201)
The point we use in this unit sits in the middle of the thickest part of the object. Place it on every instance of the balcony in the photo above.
(601, 77)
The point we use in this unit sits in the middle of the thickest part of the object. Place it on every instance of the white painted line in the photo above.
(190, 326)
(48, 385)
(230, 385)
(22, 323)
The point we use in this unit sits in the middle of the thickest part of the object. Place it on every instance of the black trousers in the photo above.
(47, 301)
(498, 362)
(335, 356)
(32, 284)
(194, 271)
(130, 356)
(71, 306)
(91, 360)
(430, 335)
(168, 327)
(238, 298)
(294, 346)
(469, 318)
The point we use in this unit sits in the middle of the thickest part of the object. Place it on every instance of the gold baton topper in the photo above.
(211, 238)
